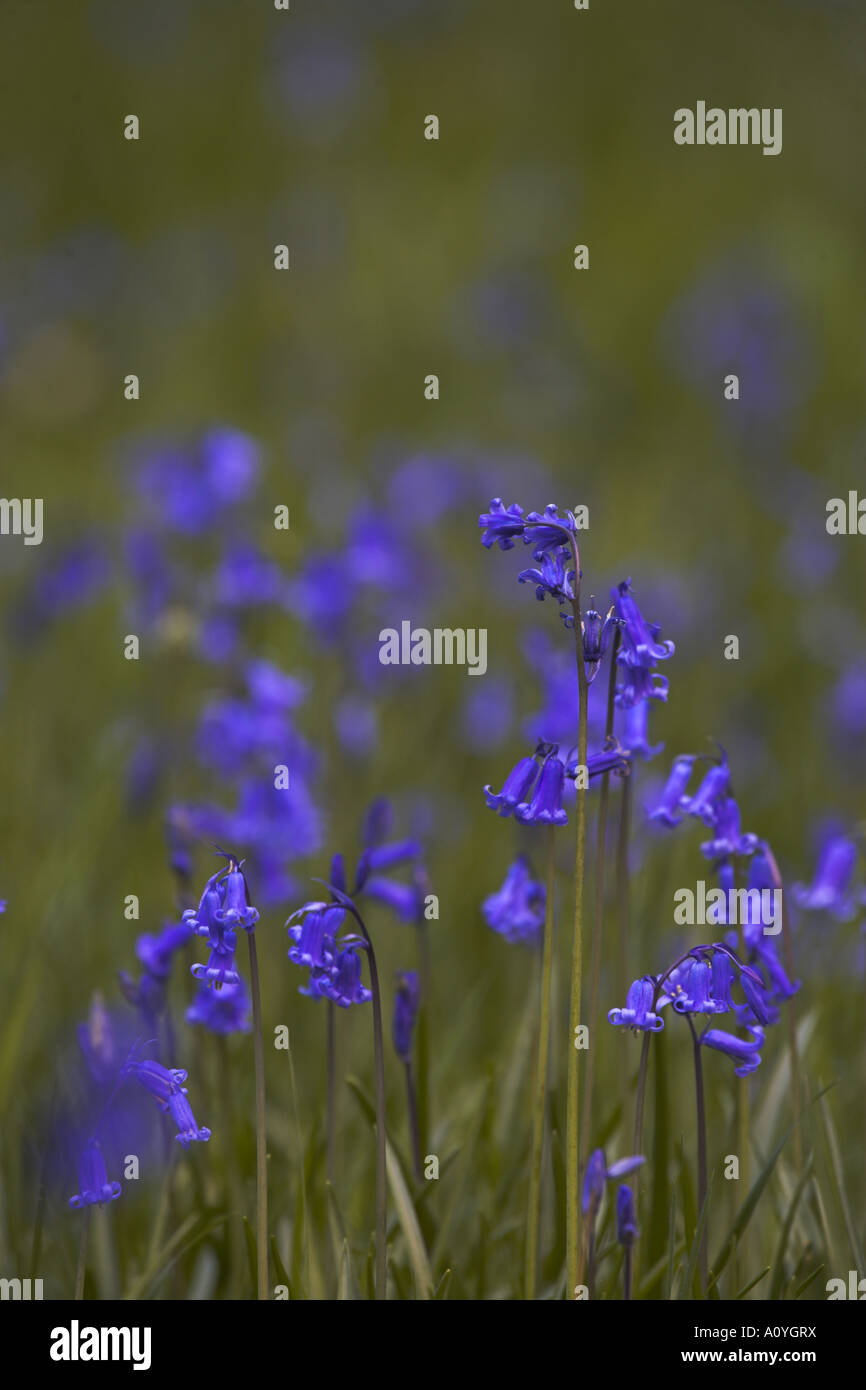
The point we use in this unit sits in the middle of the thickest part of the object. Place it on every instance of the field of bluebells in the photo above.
(333, 979)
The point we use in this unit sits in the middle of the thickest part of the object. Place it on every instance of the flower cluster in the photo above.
(333, 962)
(532, 791)
(701, 983)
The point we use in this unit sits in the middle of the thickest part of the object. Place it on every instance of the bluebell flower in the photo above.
(501, 524)
(764, 877)
(545, 807)
(236, 910)
(515, 788)
(597, 633)
(313, 938)
(669, 807)
(723, 974)
(165, 1084)
(405, 899)
(598, 1173)
(638, 1013)
(407, 997)
(220, 969)
(713, 789)
(548, 530)
(746, 1053)
(728, 838)
(204, 920)
(634, 735)
(637, 684)
(640, 644)
(760, 1009)
(554, 576)
(245, 577)
(379, 857)
(831, 888)
(270, 687)
(516, 911)
(611, 758)
(694, 992)
(188, 1131)
(160, 1081)
(223, 1010)
(93, 1180)
(344, 987)
(334, 964)
(156, 952)
(626, 1220)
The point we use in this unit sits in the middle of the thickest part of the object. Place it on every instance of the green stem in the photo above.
(595, 954)
(572, 1187)
(82, 1256)
(701, 1117)
(331, 1103)
(532, 1214)
(640, 1094)
(381, 1172)
(381, 1167)
(423, 1052)
(261, 1138)
(623, 884)
(234, 1190)
(414, 1132)
(627, 1275)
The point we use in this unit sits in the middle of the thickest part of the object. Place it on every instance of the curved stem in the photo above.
(261, 1138)
(572, 1188)
(532, 1214)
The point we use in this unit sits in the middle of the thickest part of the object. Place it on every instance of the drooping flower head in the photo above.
(640, 652)
(638, 1013)
(516, 911)
(165, 1084)
(746, 1053)
(95, 1189)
